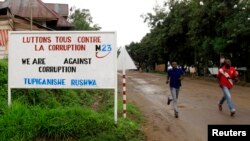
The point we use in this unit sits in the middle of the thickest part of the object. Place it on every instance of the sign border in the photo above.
(68, 32)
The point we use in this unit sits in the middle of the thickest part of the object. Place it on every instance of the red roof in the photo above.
(22, 8)
(61, 9)
(40, 10)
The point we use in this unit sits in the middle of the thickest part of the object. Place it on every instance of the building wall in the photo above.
(160, 67)
(24, 25)
(17, 24)
(2, 52)
(5, 26)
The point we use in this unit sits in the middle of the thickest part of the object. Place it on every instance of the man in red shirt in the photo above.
(226, 75)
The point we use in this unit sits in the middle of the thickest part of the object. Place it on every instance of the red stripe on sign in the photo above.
(124, 111)
(123, 76)
(124, 101)
(124, 84)
(124, 92)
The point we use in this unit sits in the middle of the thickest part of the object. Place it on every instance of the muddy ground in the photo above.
(197, 106)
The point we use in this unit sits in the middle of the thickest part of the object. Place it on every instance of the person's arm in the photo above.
(168, 77)
(236, 78)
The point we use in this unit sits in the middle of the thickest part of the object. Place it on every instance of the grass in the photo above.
(25, 123)
(57, 115)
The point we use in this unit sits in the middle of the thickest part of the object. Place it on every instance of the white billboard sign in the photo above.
(55, 59)
(60, 59)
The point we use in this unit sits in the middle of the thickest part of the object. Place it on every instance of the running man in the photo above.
(174, 80)
(226, 75)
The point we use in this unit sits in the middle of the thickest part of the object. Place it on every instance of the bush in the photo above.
(45, 114)
(22, 122)
(3, 78)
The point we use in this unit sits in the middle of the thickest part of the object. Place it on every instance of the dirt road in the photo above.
(197, 106)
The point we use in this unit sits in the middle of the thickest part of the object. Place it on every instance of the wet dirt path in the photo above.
(197, 106)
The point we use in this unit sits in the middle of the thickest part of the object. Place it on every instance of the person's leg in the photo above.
(177, 94)
(176, 103)
(174, 96)
(222, 100)
(169, 99)
(227, 95)
(169, 96)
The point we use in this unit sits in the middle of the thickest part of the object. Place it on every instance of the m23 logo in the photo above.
(103, 50)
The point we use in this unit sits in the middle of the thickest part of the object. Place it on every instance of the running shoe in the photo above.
(232, 113)
(169, 100)
(220, 107)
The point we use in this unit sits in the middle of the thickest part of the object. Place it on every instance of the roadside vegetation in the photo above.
(62, 114)
(196, 32)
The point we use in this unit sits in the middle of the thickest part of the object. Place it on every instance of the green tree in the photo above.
(82, 19)
(197, 32)
(137, 53)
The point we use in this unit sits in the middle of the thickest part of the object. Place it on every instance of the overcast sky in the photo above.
(122, 16)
